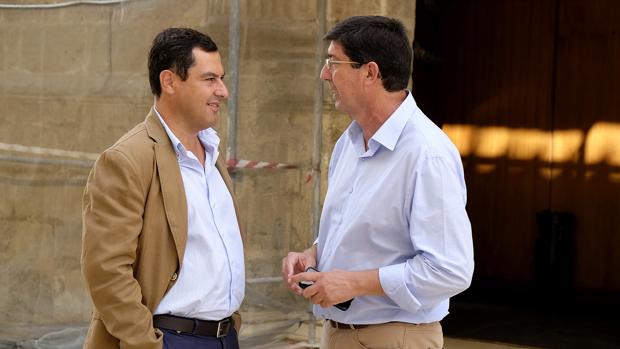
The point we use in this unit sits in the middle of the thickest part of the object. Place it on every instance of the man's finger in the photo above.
(288, 265)
(284, 268)
(305, 276)
(295, 288)
(298, 290)
(311, 294)
(299, 265)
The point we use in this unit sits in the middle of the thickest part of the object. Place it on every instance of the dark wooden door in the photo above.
(529, 92)
(587, 99)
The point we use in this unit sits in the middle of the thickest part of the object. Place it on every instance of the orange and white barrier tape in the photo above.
(231, 164)
(235, 164)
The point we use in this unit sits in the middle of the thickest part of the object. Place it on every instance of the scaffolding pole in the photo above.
(318, 134)
(233, 73)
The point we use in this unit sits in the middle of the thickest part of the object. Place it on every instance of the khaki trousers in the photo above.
(384, 336)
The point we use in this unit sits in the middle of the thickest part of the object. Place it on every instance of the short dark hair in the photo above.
(377, 39)
(172, 49)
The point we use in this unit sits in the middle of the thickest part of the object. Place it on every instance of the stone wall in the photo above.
(74, 79)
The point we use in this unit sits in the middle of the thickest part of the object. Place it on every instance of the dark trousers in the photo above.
(174, 340)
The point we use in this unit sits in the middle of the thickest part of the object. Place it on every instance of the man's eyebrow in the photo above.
(211, 75)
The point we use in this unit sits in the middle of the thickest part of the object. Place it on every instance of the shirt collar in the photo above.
(207, 137)
(387, 135)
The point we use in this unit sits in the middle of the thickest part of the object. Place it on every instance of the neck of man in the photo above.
(187, 136)
(378, 108)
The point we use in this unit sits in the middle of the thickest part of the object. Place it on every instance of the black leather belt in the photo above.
(194, 326)
(340, 325)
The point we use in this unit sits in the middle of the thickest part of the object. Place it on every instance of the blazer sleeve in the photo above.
(113, 206)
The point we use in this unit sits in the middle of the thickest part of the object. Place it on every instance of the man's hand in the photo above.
(295, 263)
(339, 286)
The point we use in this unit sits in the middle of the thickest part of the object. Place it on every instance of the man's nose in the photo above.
(325, 73)
(222, 90)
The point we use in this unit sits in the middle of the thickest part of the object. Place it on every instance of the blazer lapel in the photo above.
(173, 191)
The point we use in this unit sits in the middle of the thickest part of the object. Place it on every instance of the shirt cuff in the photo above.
(392, 279)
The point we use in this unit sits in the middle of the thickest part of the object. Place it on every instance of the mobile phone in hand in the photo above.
(341, 306)
(344, 305)
(303, 284)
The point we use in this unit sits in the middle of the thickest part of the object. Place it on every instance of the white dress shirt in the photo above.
(211, 282)
(398, 207)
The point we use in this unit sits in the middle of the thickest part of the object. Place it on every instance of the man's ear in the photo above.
(372, 72)
(166, 80)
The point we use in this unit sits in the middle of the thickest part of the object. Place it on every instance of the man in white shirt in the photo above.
(162, 252)
(394, 235)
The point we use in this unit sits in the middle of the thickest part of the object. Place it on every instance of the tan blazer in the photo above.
(134, 233)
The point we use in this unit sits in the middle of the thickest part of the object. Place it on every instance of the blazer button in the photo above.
(174, 277)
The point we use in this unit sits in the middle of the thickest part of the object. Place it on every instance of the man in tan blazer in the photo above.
(162, 254)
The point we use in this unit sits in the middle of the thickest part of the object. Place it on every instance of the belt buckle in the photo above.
(222, 328)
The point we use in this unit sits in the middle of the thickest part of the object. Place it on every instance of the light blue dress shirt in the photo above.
(211, 282)
(398, 207)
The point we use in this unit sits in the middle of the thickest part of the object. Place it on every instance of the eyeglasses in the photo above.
(330, 63)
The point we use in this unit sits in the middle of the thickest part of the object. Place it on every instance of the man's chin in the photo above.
(337, 105)
(210, 122)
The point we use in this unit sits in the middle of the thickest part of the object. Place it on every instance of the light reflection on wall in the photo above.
(603, 146)
(600, 146)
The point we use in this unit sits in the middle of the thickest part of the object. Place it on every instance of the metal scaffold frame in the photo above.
(231, 153)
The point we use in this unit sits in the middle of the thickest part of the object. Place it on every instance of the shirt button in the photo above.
(174, 277)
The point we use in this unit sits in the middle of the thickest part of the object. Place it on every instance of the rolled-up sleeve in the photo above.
(443, 263)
